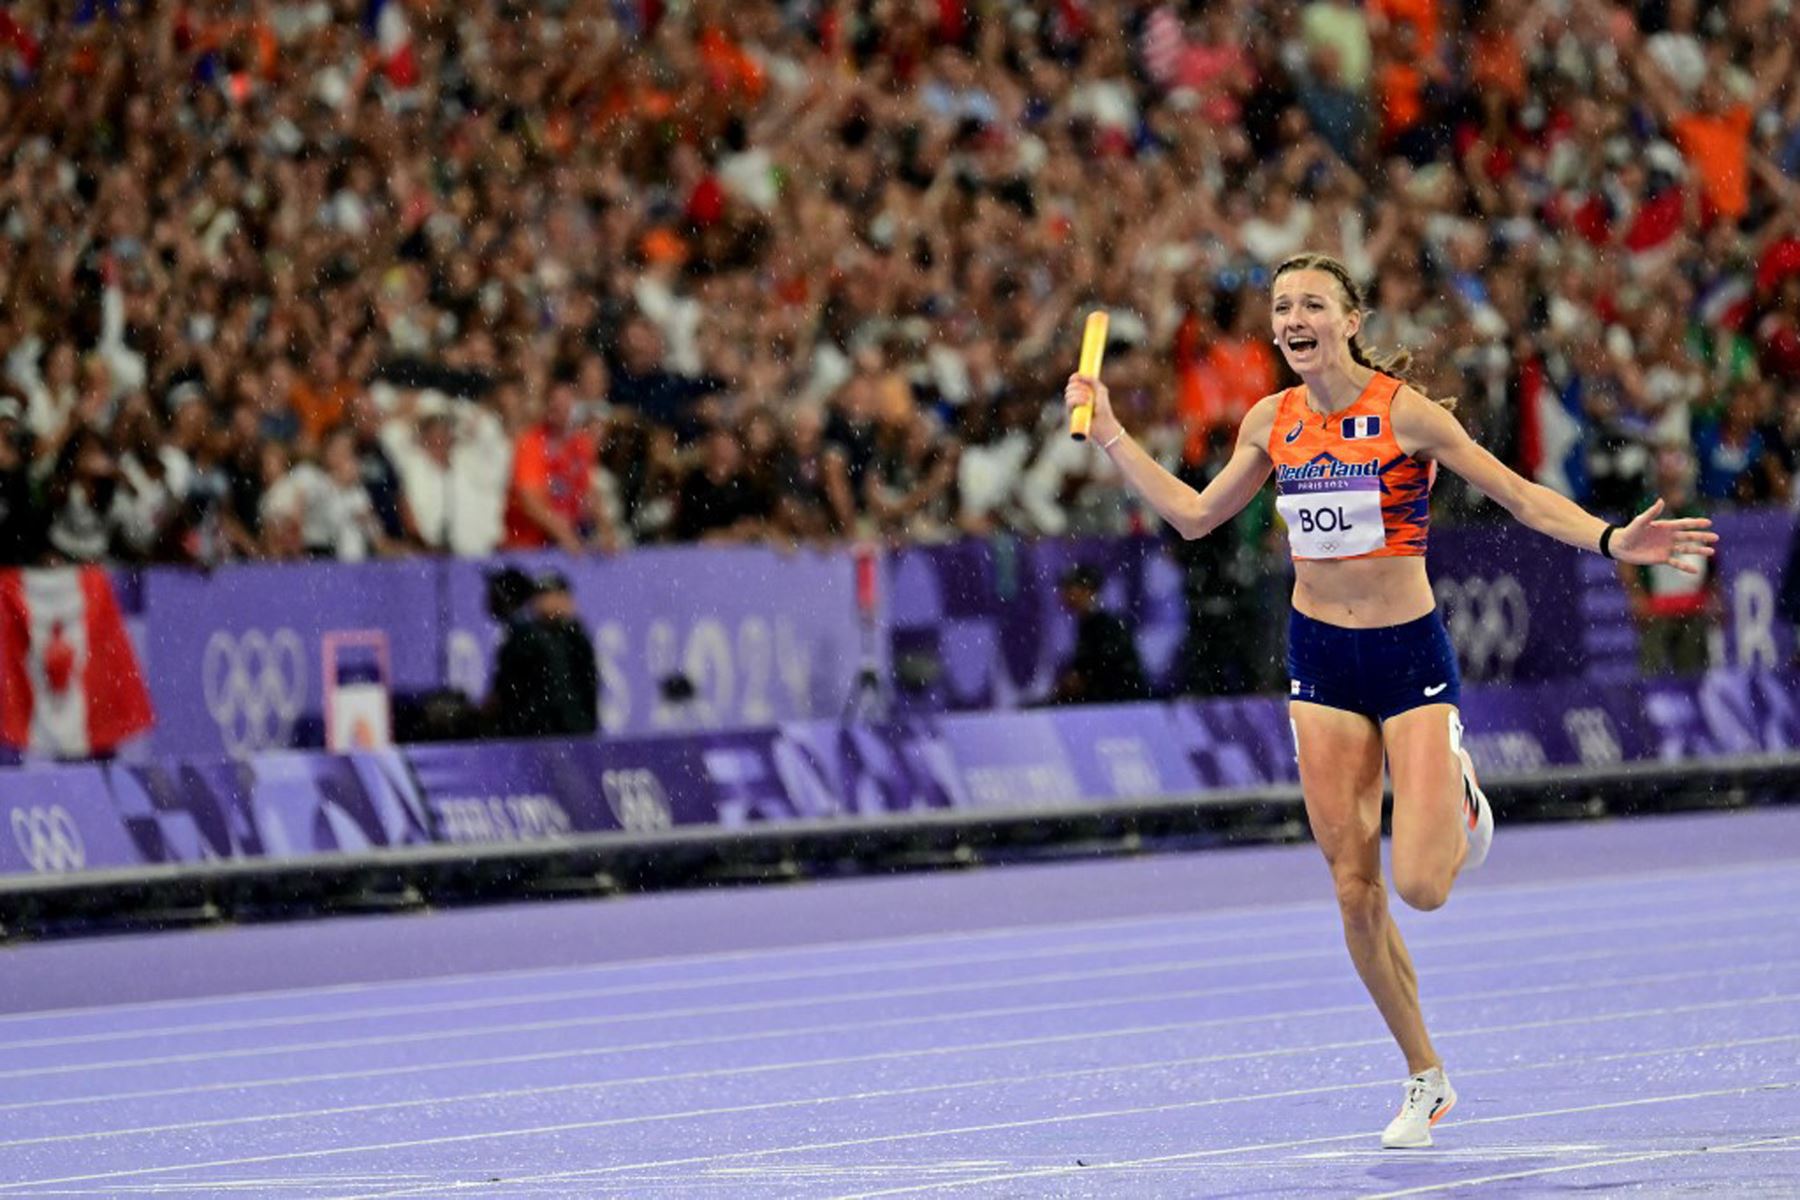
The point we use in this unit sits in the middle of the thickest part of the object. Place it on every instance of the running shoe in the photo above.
(1478, 815)
(1429, 1098)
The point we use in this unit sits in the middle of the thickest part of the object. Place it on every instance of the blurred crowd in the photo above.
(346, 278)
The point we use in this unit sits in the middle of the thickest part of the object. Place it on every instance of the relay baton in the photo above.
(1093, 349)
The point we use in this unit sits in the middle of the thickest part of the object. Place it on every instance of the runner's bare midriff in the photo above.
(1363, 593)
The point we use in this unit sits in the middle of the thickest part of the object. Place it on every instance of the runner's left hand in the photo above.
(1681, 542)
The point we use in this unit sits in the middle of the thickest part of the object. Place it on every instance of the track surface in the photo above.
(1618, 1004)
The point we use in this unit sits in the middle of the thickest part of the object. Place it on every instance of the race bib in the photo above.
(1332, 518)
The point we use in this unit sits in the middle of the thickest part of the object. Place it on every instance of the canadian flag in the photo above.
(70, 684)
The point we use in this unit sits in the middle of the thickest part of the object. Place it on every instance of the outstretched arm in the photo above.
(1426, 430)
(1193, 514)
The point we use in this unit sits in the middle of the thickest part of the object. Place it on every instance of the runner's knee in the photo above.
(1362, 900)
(1420, 888)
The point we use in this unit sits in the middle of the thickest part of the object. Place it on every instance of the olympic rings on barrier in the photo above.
(46, 835)
(637, 799)
(1489, 621)
(255, 687)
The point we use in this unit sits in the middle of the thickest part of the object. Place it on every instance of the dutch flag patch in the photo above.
(1356, 428)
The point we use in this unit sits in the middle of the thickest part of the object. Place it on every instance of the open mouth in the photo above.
(1300, 344)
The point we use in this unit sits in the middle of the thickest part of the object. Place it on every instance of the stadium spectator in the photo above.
(323, 510)
(454, 461)
(1676, 613)
(551, 498)
(719, 501)
(1103, 667)
(793, 204)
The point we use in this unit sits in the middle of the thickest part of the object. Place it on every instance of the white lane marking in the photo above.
(411, 1012)
(1779, 869)
(1738, 1004)
(262, 1187)
(1591, 1165)
(857, 1027)
(1535, 933)
(1338, 978)
(1190, 1156)
(1560, 1064)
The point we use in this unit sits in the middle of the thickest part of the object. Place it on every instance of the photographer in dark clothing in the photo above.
(1104, 667)
(546, 678)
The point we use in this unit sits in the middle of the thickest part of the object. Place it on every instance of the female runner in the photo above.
(1372, 673)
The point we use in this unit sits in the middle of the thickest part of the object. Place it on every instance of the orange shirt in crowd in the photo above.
(1420, 14)
(560, 467)
(1218, 387)
(1718, 146)
(321, 409)
(1402, 90)
(1496, 64)
(1246, 371)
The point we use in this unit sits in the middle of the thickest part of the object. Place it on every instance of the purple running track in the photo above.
(1618, 1005)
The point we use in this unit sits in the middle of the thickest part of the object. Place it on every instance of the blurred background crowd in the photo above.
(288, 278)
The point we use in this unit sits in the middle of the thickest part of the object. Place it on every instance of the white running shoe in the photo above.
(1429, 1098)
(1478, 815)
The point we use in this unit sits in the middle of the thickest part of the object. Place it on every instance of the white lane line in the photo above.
(1337, 978)
(1780, 870)
(211, 1029)
(1385, 1081)
(1420, 946)
(444, 1102)
(411, 1012)
(1591, 1165)
(1191, 1156)
(263, 1187)
(1736, 1005)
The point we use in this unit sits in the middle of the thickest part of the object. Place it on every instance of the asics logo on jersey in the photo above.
(1294, 433)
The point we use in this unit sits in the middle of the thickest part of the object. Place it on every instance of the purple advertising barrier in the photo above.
(1124, 751)
(810, 770)
(171, 811)
(1236, 743)
(833, 768)
(1529, 727)
(1512, 600)
(1522, 728)
(60, 820)
(1753, 551)
(280, 805)
(763, 636)
(67, 819)
(544, 791)
(1725, 714)
(233, 657)
(978, 624)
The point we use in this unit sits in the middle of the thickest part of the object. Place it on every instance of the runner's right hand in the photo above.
(1085, 389)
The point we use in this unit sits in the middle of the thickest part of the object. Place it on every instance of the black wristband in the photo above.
(1606, 541)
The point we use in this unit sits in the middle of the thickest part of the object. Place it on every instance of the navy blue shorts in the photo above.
(1379, 673)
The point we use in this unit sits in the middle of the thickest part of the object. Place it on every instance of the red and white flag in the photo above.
(70, 684)
(387, 23)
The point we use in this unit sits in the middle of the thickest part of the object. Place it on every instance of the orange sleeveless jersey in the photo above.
(1333, 472)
